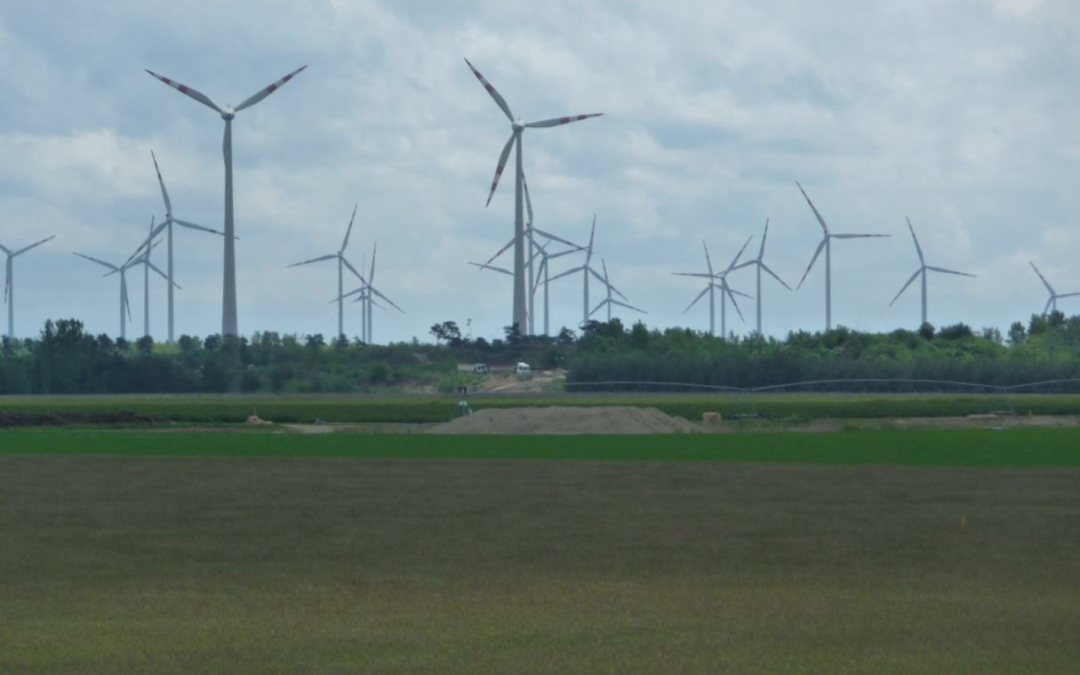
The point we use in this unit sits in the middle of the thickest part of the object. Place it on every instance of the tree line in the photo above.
(65, 359)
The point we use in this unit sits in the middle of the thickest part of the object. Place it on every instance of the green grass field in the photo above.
(212, 409)
(960, 447)
(881, 552)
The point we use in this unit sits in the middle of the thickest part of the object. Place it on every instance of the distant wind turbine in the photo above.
(923, 269)
(586, 270)
(520, 314)
(760, 265)
(826, 244)
(342, 263)
(367, 290)
(9, 280)
(228, 311)
(610, 301)
(1054, 295)
(125, 306)
(726, 291)
(167, 226)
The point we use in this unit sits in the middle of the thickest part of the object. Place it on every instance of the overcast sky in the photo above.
(961, 114)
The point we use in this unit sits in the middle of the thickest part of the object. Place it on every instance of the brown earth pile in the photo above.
(565, 420)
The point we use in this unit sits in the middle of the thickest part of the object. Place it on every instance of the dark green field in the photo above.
(856, 552)
(399, 408)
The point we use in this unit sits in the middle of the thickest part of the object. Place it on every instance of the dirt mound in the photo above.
(562, 420)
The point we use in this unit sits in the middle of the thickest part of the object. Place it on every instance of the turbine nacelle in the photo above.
(228, 114)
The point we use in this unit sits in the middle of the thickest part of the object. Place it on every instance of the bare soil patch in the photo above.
(565, 420)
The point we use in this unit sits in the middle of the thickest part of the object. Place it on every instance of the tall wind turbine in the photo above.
(9, 280)
(342, 263)
(826, 243)
(1054, 295)
(759, 263)
(125, 306)
(517, 128)
(367, 290)
(726, 291)
(167, 226)
(228, 310)
(610, 301)
(923, 269)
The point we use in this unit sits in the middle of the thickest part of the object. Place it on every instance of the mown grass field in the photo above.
(961, 447)
(216, 409)
(879, 552)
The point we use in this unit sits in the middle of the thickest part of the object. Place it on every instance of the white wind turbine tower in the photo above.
(726, 291)
(9, 280)
(610, 301)
(167, 226)
(342, 263)
(923, 269)
(366, 291)
(228, 311)
(826, 243)
(125, 306)
(520, 315)
(759, 263)
(1054, 295)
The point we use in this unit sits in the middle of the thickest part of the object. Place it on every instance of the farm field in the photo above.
(853, 552)
(413, 409)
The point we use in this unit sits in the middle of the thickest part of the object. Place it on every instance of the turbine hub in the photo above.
(517, 125)
(227, 114)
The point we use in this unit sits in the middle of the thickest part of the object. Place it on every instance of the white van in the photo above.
(523, 371)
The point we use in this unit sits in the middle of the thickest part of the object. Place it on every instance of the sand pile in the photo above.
(561, 420)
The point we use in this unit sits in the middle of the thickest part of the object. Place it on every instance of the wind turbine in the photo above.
(517, 128)
(342, 264)
(167, 226)
(726, 291)
(366, 291)
(760, 265)
(9, 280)
(923, 268)
(125, 306)
(826, 243)
(609, 301)
(586, 270)
(1054, 295)
(228, 312)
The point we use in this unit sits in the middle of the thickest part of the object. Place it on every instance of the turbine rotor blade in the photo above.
(184, 89)
(773, 274)
(813, 208)
(918, 249)
(161, 182)
(699, 297)
(909, 281)
(1045, 282)
(114, 268)
(345, 244)
(352, 269)
(499, 100)
(493, 268)
(566, 273)
(558, 121)
(628, 306)
(34, 245)
(945, 271)
(501, 166)
(812, 261)
(552, 237)
(739, 254)
(764, 236)
(708, 260)
(160, 273)
(374, 290)
(193, 226)
(528, 200)
(501, 251)
(263, 93)
(313, 260)
(727, 289)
